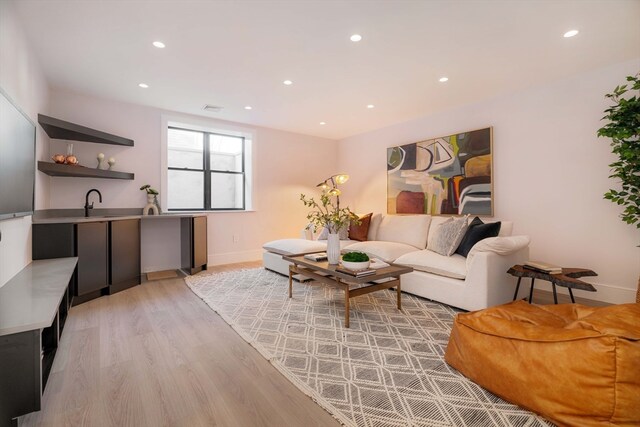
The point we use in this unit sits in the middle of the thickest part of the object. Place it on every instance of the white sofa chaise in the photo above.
(472, 283)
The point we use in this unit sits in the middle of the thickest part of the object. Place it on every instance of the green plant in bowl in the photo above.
(355, 261)
(355, 257)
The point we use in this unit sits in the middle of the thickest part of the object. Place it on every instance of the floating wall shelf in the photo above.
(58, 169)
(59, 129)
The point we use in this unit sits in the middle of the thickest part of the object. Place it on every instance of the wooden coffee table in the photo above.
(326, 273)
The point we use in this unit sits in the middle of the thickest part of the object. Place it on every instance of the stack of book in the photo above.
(543, 267)
(321, 256)
(355, 273)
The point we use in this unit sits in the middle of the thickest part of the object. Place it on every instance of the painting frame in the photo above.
(445, 175)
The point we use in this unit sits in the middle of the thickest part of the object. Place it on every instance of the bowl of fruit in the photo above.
(356, 261)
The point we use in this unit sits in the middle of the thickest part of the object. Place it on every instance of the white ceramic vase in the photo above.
(333, 248)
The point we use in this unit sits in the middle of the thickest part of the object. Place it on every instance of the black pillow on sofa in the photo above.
(477, 231)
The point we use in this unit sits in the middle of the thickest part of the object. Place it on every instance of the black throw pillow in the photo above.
(477, 231)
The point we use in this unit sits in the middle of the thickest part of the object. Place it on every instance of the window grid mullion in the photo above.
(207, 167)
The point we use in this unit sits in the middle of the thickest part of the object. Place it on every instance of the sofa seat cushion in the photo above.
(575, 365)
(295, 246)
(386, 251)
(454, 266)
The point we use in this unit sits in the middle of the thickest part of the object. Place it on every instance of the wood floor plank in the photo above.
(157, 355)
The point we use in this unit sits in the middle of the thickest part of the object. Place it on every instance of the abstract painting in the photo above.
(449, 175)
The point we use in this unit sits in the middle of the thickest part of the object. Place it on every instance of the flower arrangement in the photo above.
(328, 213)
(149, 190)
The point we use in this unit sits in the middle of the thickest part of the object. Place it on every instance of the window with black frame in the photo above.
(206, 170)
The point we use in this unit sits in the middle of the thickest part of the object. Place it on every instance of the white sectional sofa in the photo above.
(471, 283)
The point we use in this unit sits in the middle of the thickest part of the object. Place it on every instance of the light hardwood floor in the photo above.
(156, 355)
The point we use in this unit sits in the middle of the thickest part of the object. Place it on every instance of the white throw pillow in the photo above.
(373, 226)
(454, 266)
(436, 222)
(386, 251)
(294, 246)
(448, 236)
(408, 229)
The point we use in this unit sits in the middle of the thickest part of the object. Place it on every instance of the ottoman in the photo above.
(572, 364)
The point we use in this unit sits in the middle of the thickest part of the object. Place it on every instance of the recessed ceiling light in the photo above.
(356, 38)
(443, 79)
(159, 45)
(248, 107)
(143, 85)
(570, 33)
(370, 106)
(288, 82)
(323, 123)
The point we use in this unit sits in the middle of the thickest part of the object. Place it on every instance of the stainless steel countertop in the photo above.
(109, 217)
(29, 300)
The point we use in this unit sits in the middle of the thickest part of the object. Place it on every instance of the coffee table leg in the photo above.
(399, 295)
(571, 295)
(346, 307)
(555, 294)
(290, 280)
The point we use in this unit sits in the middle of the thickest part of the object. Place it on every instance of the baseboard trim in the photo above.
(605, 293)
(234, 257)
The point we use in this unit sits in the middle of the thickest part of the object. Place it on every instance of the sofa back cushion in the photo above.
(408, 229)
(373, 226)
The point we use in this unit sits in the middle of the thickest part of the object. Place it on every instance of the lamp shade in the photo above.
(334, 192)
(342, 178)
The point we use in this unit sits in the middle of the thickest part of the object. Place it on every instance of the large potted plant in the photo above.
(624, 129)
(328, 213)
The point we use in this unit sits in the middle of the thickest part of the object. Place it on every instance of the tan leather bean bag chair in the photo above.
(572, 364)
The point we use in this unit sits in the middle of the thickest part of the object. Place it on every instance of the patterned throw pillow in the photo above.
(360, 232)
(448, 236)
(343, 233)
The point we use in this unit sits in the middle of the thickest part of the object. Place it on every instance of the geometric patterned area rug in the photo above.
(387, 369)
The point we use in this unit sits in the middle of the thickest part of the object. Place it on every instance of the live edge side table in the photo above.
(568, 279)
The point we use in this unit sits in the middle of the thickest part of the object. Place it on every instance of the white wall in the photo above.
(22, 79)
(286, 164)
(550, 172)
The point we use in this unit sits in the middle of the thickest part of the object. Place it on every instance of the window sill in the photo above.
(210, 212)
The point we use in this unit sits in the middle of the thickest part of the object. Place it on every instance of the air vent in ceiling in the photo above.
(213, 108)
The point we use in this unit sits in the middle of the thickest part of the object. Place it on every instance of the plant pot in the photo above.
(362, 265)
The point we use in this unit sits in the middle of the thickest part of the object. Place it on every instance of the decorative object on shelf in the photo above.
(328, 214)
(70, 159)
(100, 159)
(157, 203)
(151, 200)
(445, 175)
(356, 260)
(111, 161)
(58, 158)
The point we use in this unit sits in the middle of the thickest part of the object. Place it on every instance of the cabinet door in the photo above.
(199, 241)
(125, 253)
(92, 245)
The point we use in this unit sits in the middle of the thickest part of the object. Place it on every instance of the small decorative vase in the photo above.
(150, 207)
(111, 162)
(100, 159)
(333, 248)
(157, 203)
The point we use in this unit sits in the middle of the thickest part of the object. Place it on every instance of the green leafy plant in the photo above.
(355, 257)
(623, 129)
(149, 190)
(327, 212)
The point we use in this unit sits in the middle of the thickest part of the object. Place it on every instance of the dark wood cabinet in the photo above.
(124, 265)
(108, 254)
(193, 235)
(93, 257)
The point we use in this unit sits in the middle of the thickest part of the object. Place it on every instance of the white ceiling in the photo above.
(237, 53)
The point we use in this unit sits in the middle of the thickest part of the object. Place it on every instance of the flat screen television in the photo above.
(17, 160)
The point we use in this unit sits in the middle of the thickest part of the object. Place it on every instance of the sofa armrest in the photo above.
(498, 245)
